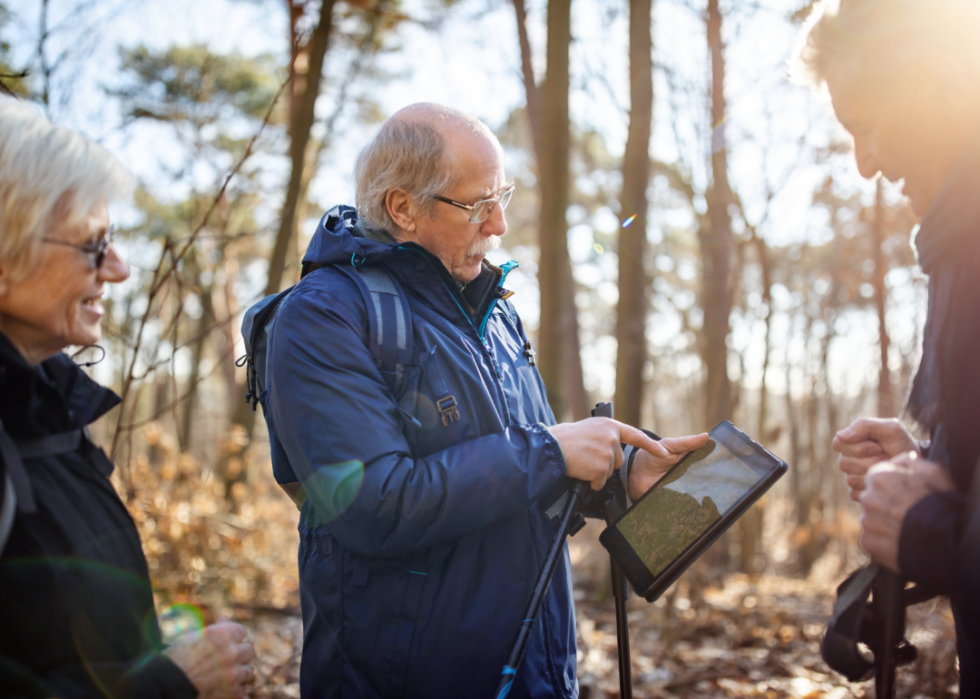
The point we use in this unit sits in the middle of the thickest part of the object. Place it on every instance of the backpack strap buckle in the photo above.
(448, 410)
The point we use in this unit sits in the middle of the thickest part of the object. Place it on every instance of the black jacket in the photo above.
(940, 537)
(76, 609)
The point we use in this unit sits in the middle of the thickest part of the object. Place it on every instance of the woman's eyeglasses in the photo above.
(96, 250)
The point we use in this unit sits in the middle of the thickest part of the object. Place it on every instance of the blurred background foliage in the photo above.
(695, 245)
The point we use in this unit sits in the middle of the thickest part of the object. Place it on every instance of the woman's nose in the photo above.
(113, 269)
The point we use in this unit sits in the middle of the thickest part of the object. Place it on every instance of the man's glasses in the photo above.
(480, 211)
(96, 250)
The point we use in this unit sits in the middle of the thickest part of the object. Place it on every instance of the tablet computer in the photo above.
(666, 530)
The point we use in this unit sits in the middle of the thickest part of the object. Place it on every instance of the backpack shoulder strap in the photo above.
(17, 494)
(389, 322)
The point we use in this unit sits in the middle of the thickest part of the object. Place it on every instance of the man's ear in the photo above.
(401, 207)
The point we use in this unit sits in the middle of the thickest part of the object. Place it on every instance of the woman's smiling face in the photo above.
(59, 302)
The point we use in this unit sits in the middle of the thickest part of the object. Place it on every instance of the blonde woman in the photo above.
(76, 608)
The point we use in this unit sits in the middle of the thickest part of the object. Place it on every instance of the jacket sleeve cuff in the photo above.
(159, 676)
(927, 542)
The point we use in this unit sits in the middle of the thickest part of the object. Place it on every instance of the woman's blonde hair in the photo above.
(871, 37)
(49, 177)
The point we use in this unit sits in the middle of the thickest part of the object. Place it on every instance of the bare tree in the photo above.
(306, 53)
(886, 394)
(634, 285)
(716, 239)
(558, 339)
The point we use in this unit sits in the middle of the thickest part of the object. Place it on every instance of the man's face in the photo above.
(459, 244)
(901, 129)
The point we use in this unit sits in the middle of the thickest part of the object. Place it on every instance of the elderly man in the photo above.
(422, 537)
(903, 78)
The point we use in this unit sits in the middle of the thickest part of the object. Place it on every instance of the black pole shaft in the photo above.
(888, 592)
(575, 494)
(621, 593)
(620, 588)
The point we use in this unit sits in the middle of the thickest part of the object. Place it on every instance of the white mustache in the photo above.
(483, 246)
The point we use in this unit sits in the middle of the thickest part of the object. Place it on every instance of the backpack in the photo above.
(389, 331)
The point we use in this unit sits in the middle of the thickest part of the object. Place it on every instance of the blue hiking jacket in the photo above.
(420, 541)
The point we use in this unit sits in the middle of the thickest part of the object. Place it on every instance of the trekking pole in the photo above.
(620, 588)
(889, 590)
(576, 493)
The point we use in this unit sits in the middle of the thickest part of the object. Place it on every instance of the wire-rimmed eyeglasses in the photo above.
(480, 211)
(97, 250)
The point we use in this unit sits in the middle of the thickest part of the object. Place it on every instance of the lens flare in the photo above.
(179, 619)
(627, 222)
(332, 489)
(598, 248)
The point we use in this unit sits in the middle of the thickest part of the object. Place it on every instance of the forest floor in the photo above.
(217, 549)
(744, 638)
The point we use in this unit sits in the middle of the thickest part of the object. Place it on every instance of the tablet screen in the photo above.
(704, 487)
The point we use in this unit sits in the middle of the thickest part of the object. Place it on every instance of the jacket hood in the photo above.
(340, 236)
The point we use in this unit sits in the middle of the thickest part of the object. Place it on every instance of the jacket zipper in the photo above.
(504, 269)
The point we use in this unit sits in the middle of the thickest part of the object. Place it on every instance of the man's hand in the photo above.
(592, 447)
(892, 489)
(648, 468)
(867, 442)
(215, 660)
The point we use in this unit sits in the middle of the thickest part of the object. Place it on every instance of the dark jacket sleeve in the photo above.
(938, 544)
(151, 676)
(342, 432)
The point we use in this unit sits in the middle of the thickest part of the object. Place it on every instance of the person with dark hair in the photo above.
(76, 609)
(904, 78)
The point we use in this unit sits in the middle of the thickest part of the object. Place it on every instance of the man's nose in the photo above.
(867, 163)
(496, 224)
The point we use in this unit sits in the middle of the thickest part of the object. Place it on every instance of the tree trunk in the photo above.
(886, 394)
(634, 285)
(305, 89)
(204, 325)
(554, 271)
(765, 266)
(533, 98)
(716, 242)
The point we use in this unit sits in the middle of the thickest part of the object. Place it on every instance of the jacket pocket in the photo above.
(404, 631)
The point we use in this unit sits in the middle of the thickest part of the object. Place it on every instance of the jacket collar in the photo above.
(342, 238)
(52, 398)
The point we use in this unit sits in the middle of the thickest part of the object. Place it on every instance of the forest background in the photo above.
(695, 245)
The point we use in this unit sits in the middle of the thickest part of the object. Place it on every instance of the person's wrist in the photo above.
(631, 487)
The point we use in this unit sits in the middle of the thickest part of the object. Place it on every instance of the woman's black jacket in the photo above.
(76, 609)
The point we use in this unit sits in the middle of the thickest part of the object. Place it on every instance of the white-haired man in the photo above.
(421, 537)
(904, 77)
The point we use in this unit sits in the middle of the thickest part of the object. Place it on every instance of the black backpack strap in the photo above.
(50, 445)
(17, 494)
(17, 474)
(8, 506)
